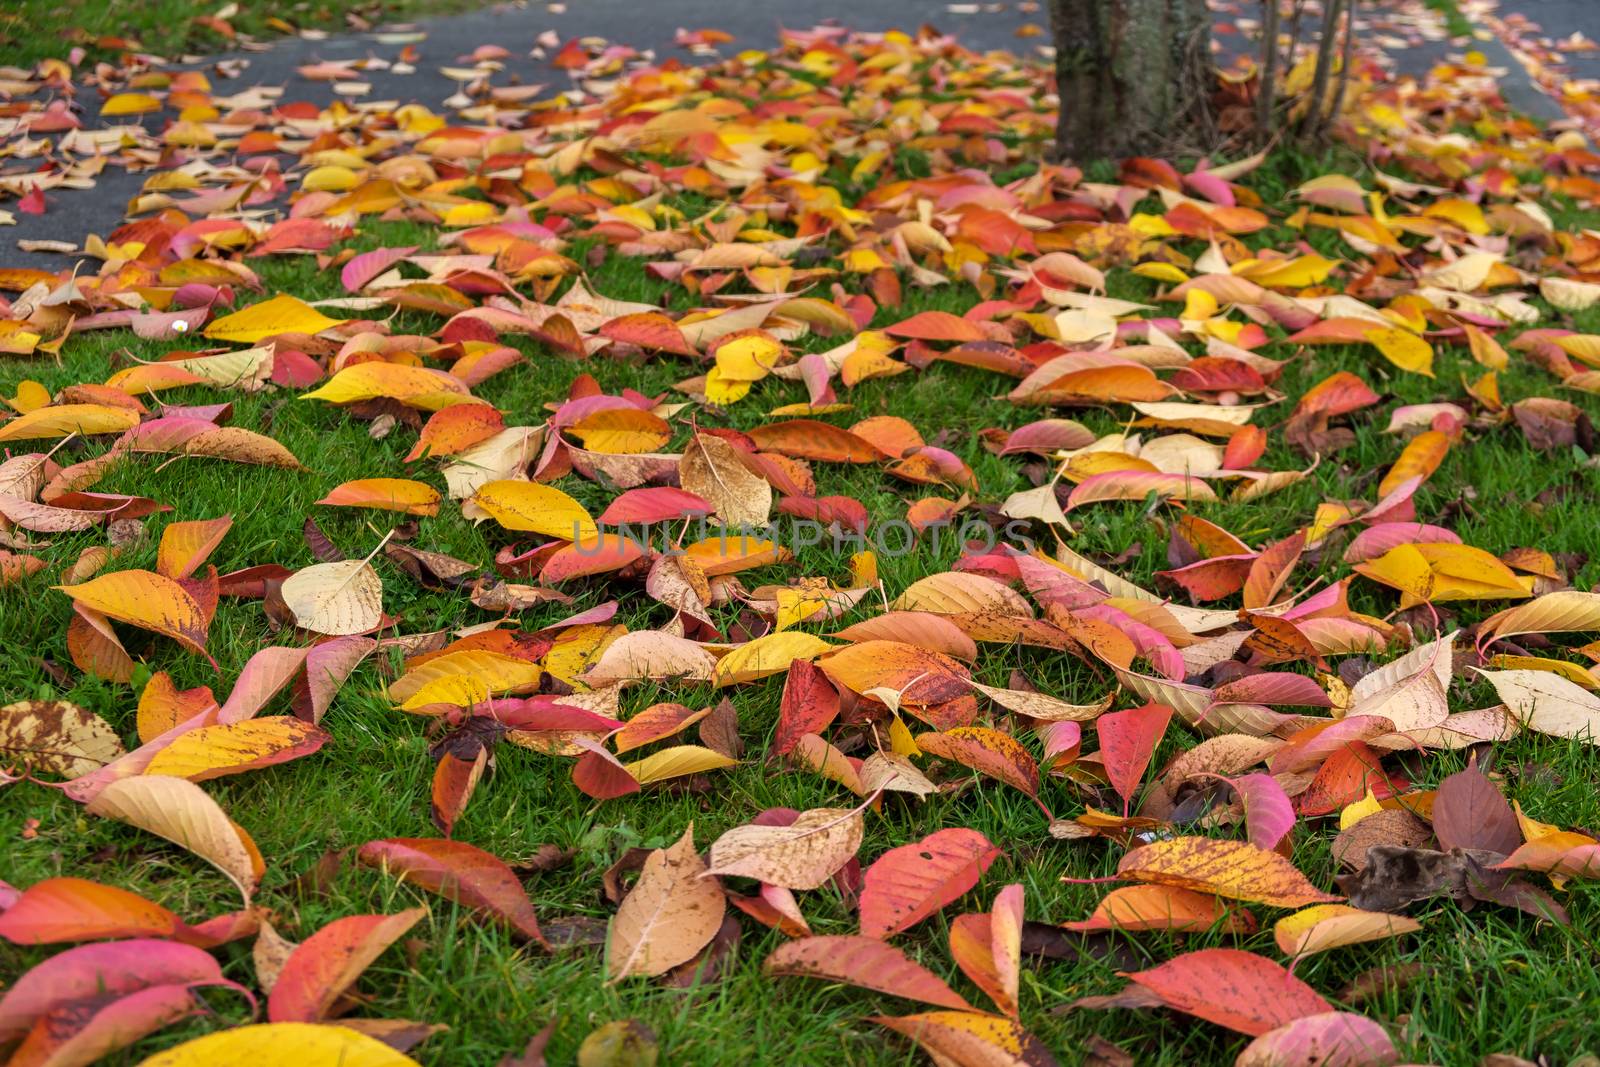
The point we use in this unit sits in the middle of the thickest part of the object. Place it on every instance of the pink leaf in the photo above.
(1268, 812)
(92, 970)
(368, 265)
(1328, 1039)
(1374, 541)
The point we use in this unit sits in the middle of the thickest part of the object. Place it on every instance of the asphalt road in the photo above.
(653, 24)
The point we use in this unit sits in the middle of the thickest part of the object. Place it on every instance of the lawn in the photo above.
(31, 30)
(1491, 979)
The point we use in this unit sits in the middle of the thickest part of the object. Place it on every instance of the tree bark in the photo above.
(1267, 98)
(1135, 76)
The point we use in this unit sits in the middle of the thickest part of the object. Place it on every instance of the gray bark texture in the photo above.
(1135, 77)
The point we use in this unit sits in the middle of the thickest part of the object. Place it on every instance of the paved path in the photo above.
(641, 24)
(653, 24)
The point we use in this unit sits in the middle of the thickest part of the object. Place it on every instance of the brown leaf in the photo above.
(719, 731)
(1470, 813)
(1391, 826)
(671, 914)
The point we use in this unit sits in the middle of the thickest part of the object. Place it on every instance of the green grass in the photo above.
(1454, 21)
(31, 30)
(1493, 980)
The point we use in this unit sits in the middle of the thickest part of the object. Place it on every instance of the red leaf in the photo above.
(937, 326)
(601, 775)
(865, 962)
(810, 439)
(75, 909)
(459, 872)
(907, 884)
(1127, 741)
(1232, 988)
(368, 265)
(1244, 448)
(454, 780)
(82, 1031)
(651, 330)
(656, 504)
(810, 703)
(848, 512)
(325, 964)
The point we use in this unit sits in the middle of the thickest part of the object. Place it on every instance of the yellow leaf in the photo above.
(31, 395)
(281, 314)
(766, 656)
(145, 599)
(470, 667)
(1403, 348)
(1570, 671)
(969, 1037)
(416, 387)
(1402, 568)
(130, 104)
(491, 675)
(1325, 926)
(283, 1045)
(229, 748)
(721, 391)
(63, 419)
(332, 179)
(621, 431)
(1294, 273)
(1354, 813)
(1419, 459)
(747, 359)
(675, 762)
(386, 494)
(536, 508)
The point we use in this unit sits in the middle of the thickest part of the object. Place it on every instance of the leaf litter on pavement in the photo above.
(834, 218)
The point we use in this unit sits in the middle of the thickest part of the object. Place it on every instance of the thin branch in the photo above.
(1269, 70)
(1319, 84)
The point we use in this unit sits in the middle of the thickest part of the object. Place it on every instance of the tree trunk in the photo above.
(1135, 76)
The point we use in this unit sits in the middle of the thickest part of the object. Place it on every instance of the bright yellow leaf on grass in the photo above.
(535, 508)
(1296, 273)
(31, 395)
(418, 387)
(282, 314)
(1439, 572)
(721, 391)
(1403, 348)
(330, 179)
(283, 1045)
(622, 431)
(677, 761)
(58, 421)
(749, 358)
(766, 656)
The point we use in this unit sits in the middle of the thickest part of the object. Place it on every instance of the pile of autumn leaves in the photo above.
(897, 685)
